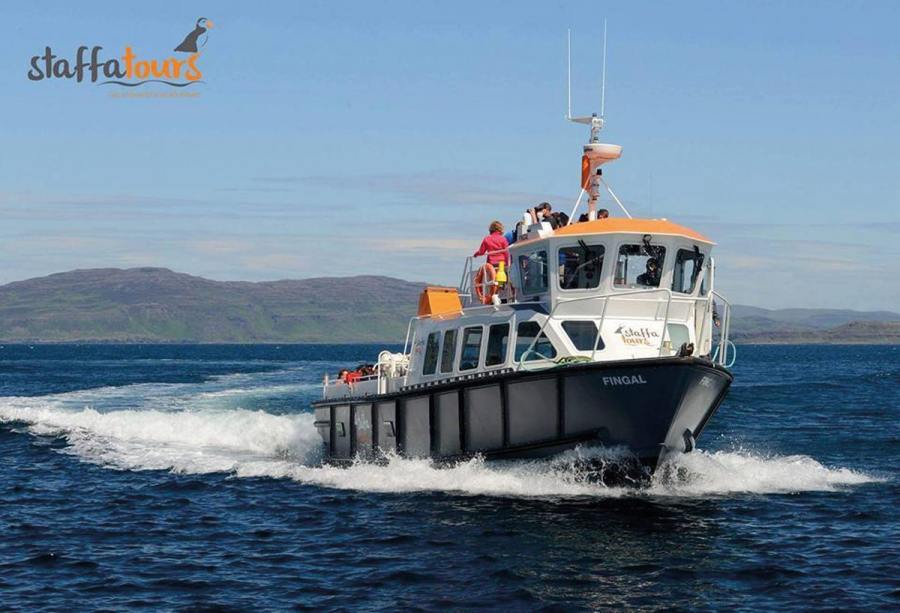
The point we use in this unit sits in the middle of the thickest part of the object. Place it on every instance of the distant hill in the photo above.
(758, 325)
(812, 318)
(851, 333)
(159, 305)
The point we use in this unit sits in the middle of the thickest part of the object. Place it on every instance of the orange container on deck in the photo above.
(439, 301)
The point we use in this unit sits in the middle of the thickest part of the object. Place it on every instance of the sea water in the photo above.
(191, 476)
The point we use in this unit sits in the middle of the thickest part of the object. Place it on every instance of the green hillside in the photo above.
(159, 305)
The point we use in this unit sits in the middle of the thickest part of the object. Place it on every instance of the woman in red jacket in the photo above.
(495, 245)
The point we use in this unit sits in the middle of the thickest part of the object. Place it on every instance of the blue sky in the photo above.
(338, 138)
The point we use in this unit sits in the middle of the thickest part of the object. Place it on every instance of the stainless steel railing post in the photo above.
(600, 327)
(662, 338)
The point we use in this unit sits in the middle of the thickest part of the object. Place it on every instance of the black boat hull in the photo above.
(650, 407)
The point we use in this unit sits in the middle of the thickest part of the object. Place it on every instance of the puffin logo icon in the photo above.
(189, 44)
(128, 69)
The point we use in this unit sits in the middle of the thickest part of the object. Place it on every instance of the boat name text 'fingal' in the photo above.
(624, 380)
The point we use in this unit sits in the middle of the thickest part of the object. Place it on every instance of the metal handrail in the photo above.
(605, 298)
(721, 355)
(708, 299)
(340, 381)
(466, 283)
(702, 330)
(726, 327)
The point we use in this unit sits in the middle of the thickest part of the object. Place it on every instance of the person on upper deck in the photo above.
(513, 235)
(538, 214)
(495, 245)
(558, 220)
(601, 214)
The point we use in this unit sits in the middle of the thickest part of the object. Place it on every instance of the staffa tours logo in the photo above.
(637, 336)
(130, 69)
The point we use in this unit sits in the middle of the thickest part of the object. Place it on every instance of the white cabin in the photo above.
(584, 292)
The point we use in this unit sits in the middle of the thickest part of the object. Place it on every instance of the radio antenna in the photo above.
(569, 71)
(603, 83)
(595, 121)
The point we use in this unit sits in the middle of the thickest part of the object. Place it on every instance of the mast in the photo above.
(595, 153)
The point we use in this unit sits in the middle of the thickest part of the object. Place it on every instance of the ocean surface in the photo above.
(186, 477)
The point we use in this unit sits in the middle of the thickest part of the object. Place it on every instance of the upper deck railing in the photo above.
(389, 369)
(468, 281)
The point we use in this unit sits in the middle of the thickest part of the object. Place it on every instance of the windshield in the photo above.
(580, 266)
(533, 270)
(639, 266)
(688, 265)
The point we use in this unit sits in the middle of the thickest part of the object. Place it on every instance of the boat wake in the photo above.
(193, 429)
(700, 474)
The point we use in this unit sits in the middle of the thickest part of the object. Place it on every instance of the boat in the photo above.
(604, 333)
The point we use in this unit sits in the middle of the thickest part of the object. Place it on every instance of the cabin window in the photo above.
(580, 266)
(688, 265)
(431, 353)
(583, 334)
(678, 335)
(471, 348)
(533, 271)
(497, 345)
(525, 335)
(448, 352)
(639, 266)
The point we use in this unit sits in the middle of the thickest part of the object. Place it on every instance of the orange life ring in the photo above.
(486, 283)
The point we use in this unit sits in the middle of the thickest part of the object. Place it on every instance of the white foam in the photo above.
(699, 474)
(185, 441)
(200, 428)
(727, 472)
(473, 477)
